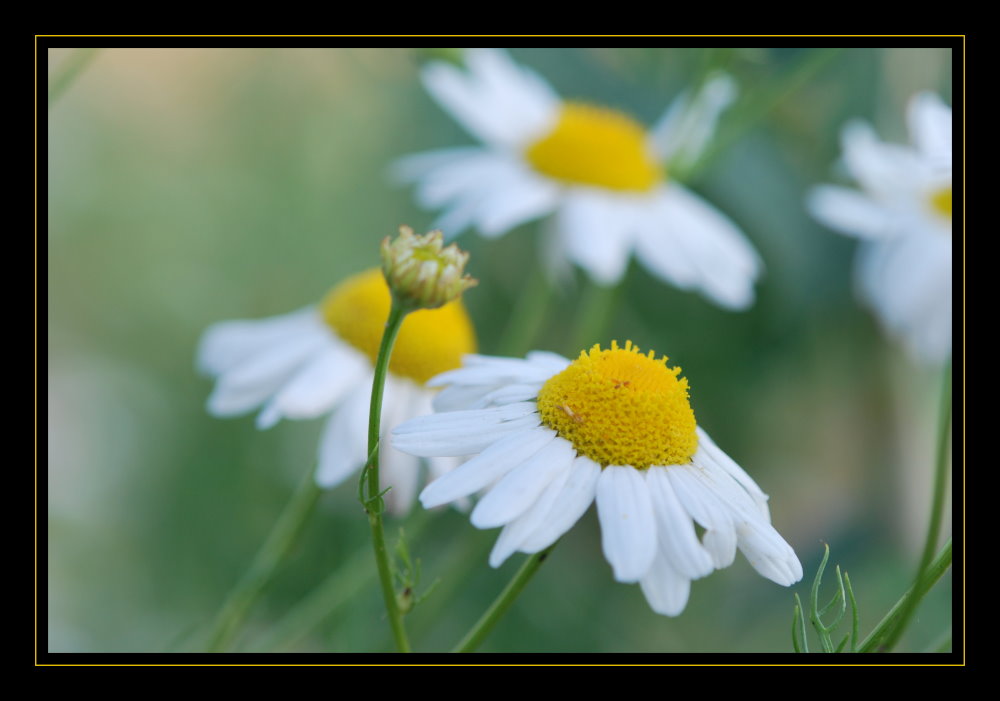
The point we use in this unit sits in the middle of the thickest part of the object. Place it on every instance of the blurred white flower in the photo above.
(320, 359)
(903, 214)
(616, 427)
(604, 177)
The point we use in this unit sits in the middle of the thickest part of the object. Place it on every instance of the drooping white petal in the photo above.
(521, 487)
(768, 553)
(686, 127)
(705, 507)
(597, 232)
(462, 432)
(930, 126)
(570, 504)
(228, 343)
(719, 458)
(678, 542)
(628, 526)
(317, 385)
(487, 467)
(665, 589)
(514, 534)
(851, 212)
(497, 101)
(712, 246)
(343, 445)
(416, 166)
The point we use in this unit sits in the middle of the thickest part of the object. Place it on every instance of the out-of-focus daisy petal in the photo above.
(848, 211)
(688, 124)
(342, 447)
(597, 237)
(227, 343)
(929, 120)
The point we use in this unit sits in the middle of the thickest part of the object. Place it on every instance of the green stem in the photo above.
(271, 554)
(593, 316)
(527, 315)
(68, 70)
(874, 640)
(371, 498)
(937, 506)
(499, 607)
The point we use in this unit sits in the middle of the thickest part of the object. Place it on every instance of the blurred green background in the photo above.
(189, 186)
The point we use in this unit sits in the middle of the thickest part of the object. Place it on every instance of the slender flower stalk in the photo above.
(499, 607)
(272, 553)
(371, 499)
(936, 515)
(421, 274)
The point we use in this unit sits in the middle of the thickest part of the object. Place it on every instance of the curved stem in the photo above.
(874, 640)
(274, 550)
(499, 607)
(371, 498)
(937, 508)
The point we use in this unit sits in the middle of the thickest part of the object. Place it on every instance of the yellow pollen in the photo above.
(596, 146)
(941, 201)
(429, 342)
(621, 407)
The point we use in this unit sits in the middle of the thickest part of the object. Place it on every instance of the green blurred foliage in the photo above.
(192, 186)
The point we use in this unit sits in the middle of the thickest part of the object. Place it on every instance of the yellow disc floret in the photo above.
(621, 407)
(429, 342)
(596, 146)
(941, 201)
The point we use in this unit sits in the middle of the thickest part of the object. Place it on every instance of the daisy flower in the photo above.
(603, 177)
(902, 212)
(550, 436)
(320, 359)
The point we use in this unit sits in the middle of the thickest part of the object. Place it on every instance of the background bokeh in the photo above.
(189, 186)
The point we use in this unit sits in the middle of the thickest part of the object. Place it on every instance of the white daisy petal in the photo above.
(728, 465)
(929, 120)
(768, 553)
(520, 487)
(343, 445)
(665, 589)
(254, 379)
(570, 504)
(317, 385)
(711, 514)
(597, 236)
(487, 467)
(851, 212)
(677, 539)
(514, 534)
(497, 101)
(688, 124)
(713, 246)
(628, 526)
(228, 343)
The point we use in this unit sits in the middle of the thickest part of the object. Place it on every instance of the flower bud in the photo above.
(421, 273)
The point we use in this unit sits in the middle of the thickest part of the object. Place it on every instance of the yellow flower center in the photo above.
(429, 342)
(620, 407)
(941, 201)
(596, 146)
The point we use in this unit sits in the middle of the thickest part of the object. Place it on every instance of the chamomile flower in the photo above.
(603, 177)
(551, 436)
(320, 359)
(903, 215)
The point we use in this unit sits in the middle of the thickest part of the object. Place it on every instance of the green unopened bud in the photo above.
(421, 273)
